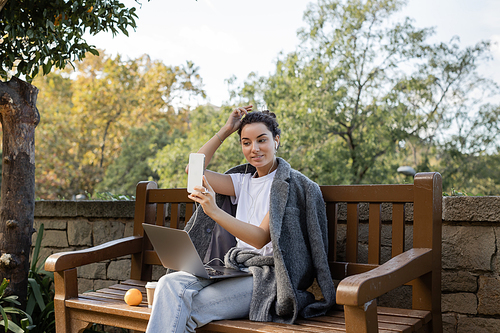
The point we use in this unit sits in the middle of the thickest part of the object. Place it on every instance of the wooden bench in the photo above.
(360, 283)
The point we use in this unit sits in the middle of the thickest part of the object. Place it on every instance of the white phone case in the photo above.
(195, 172)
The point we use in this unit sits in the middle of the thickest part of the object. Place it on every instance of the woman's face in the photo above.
(258, 145)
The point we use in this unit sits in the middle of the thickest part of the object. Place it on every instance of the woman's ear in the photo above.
(277, 142)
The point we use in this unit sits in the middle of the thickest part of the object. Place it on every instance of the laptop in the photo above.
(176, 251)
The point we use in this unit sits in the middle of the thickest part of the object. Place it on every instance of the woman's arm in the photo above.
(222, 183)
(257, 236)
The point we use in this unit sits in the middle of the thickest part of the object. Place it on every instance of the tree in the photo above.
(132, 166)
(363, 87)
(107, 102)
(170, 162)
(42, 33)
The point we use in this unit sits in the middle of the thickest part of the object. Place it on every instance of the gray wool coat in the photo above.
(298, 228)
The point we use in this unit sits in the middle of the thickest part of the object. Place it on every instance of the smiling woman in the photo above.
(257, 208)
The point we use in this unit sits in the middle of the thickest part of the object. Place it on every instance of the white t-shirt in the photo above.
(252, 197)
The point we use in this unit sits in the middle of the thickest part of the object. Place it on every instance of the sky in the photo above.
(236, 37)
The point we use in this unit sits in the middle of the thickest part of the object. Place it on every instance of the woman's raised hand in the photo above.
(234, 121)
(205, 196)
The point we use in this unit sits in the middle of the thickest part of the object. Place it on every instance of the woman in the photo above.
(278, 230)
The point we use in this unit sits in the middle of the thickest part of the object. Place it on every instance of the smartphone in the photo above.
(195, 172)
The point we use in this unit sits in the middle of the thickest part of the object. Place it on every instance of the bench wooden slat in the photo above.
(160, 214)
(106, 297)
(247, 326)
(411, 313)
(109, 306)
(374, 235)
(398, 228)
(189, 211)
(368, 193)
(331, 214)
(415, 323)
(174, 195)
(352, 232)
(383, 325)
(150, 257)
(174, 215)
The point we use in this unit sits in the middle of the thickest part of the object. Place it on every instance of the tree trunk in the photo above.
(19, 117)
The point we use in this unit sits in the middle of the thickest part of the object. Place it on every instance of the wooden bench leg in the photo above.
(78, 326)
(361, 319)
(66, 286)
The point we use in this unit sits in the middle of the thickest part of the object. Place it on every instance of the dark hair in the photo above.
(265, 117)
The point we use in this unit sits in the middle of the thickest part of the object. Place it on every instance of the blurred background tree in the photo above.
(111, 116)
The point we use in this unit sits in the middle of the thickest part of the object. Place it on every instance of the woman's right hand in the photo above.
(234, 121)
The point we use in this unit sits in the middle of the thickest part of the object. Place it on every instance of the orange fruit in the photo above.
(133, 297)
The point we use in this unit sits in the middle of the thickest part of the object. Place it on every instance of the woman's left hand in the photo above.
(205, 197)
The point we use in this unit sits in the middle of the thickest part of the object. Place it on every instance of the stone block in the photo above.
(449, 323)
(55, 208)
(478, 325)
(106, 230)
(471, 209)
(92, 271)
(489, 295)
(55, 238)
(85, 285)
(158, 272)
(458, 281)
(99, 284)
(129, 229)
(465, 303)
(398, 298)
(466, 247)
(119, 270)
(110, 209)
(48, 224)
(79, 232)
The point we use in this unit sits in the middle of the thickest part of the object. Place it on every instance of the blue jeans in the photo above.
(183, 302)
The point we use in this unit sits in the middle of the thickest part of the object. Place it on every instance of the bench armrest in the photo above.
(110, 250)
(358, 289)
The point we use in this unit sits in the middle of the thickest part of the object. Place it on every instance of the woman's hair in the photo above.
(265, 117)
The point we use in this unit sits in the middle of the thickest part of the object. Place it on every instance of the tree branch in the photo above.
(2, 4)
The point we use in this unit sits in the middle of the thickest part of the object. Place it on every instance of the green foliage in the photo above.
(108, 101)
(171, 161)
(108, 196)
(47, 33)
(8, 324)
(131, 166)
(40, 305)
(364, 93)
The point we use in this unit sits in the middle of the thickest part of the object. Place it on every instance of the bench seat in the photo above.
(109, 301)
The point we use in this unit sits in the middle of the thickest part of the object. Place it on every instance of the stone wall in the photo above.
(470, 260)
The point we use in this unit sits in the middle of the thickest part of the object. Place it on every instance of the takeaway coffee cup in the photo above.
(150, 292)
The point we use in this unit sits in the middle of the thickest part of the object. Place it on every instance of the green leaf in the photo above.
(50, 24)
(5, 319)
(36, 251)
(3, 286)
(36, 291)
(30, 305)
(18, 311)
(12, 326)
(12, 299)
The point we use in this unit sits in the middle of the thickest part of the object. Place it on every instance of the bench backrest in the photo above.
(425, 194)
